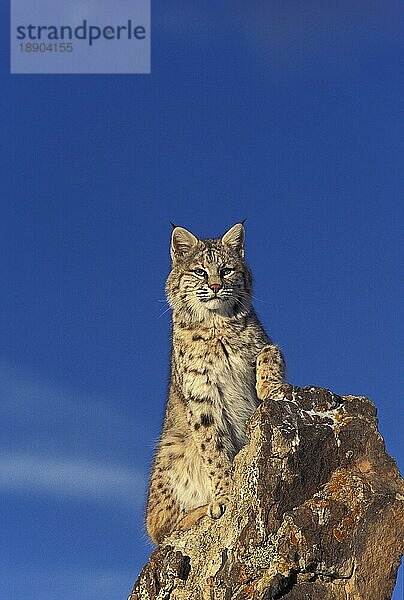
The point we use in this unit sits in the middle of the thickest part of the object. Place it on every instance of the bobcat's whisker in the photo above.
(164, 312)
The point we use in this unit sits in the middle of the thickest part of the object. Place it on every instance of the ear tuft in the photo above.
(235, 238)
(182, 242)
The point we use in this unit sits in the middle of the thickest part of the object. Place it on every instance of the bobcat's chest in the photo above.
(224, 368)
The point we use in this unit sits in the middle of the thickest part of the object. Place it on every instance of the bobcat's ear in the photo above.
(182, 242)
(235, 238)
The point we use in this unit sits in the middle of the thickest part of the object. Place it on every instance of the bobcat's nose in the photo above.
(215, 287)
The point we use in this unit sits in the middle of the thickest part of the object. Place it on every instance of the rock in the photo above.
(316, 513)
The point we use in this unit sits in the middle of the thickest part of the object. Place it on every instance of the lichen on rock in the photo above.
(316, 512)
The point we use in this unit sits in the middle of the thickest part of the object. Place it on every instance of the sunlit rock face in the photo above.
(316, 512)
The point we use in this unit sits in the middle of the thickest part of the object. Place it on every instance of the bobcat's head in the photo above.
(209, 276)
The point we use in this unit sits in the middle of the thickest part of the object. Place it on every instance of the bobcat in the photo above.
(218, 346)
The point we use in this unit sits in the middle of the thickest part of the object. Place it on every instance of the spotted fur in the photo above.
(214, 387)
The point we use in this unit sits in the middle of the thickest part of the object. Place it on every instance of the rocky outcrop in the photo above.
(316, 513)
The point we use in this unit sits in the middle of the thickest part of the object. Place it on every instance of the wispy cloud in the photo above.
(75, 479)
(68, 444)
(34, 412)
(64, 583)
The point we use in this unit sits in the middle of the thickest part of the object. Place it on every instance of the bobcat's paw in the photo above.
(191, 518)
(270, 373)
(216, 509)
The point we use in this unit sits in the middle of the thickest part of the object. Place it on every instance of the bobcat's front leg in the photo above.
(208, 438)
(270, 382)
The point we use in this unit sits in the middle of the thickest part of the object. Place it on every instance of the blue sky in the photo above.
(287, 114)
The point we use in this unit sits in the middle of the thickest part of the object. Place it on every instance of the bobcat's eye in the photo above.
(226, 271)
(199, 272)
